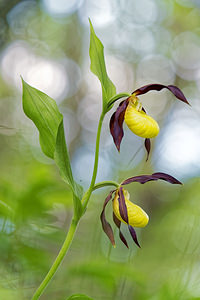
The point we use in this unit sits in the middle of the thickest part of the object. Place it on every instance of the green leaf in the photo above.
(61, 156)
(79, 297)
(44, 113)
(62, 160)
(98, 67)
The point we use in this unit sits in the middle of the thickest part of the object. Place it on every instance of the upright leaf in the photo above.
(61, 156)
(44, 113)
(98, 67)
(62, 160)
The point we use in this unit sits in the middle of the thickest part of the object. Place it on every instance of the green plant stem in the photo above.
(99, 186)
(58, 260)
(115, 98)
(105, 183)
(96, 160)
(74, 223)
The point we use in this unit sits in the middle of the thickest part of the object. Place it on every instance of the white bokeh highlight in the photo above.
(177, 147)
(57, 78)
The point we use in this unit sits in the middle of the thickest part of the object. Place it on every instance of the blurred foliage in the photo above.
(35, 205)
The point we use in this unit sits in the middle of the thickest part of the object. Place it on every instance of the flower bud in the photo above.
(136, 215)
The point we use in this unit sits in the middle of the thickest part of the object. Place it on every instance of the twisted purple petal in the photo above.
(118, 224)
(155, 176)
(133, 234)
(158, 87)
(116, 123)
(122, 205)
(147, 144)
(105, 225)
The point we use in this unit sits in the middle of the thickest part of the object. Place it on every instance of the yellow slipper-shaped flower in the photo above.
(127, 212)
(135, 117)
(137, 217)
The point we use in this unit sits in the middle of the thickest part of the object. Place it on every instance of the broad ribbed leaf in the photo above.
(61, 156)
(62, 160)
(44, 113)
(98, 67)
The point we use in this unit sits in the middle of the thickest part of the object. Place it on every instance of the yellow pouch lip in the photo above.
(137, 217)
(140, 123)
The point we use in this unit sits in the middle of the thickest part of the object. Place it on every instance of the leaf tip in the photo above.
(91, 26)
(23, 82)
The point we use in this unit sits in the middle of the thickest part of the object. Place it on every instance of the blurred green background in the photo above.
(146, 41)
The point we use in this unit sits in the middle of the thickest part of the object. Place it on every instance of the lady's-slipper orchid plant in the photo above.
(45, 114)
(127, 212)
(132, 112)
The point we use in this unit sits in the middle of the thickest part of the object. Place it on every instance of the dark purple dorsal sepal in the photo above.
(158, 87)
(165, 177)
(145, 178)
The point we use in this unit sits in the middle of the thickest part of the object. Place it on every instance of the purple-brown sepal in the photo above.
(158, 87)
(133, 235)
(118, 224)
(122, 205)
(105, 225)
(155, 176)
(147, 144)
(116, 123)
